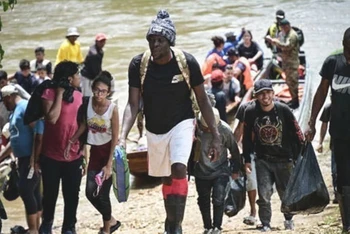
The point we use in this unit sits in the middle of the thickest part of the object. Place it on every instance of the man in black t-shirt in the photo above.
(272, 132)
(168, 114)
(335, 73)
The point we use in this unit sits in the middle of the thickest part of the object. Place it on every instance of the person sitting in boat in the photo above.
(232, 40)
(231, 88)
(218, 42)
(274, 30)
(251, 50)
(217, 77)
(212, 178)
(214, 58)
(241, 71)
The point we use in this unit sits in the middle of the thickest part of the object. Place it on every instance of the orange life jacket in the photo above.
(210, 61)
(247, 77)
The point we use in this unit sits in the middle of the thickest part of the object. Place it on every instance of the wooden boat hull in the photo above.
(138, 163)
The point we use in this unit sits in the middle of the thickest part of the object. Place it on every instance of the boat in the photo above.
(138, 163)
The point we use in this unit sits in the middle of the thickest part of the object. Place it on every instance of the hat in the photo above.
(232, 52)
(8, 90)
(73, 31)
(230, 34)
(163, 26)
(100, 37)
(280, 14)
(261, 85)
(216, 117)
(284, 22)
(217, 76)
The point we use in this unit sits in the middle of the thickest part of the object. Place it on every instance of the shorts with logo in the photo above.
(169, 148)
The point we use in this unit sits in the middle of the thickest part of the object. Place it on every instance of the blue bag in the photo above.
(120, 175)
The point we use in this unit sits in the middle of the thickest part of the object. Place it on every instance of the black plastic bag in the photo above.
(235, 196)
(306, 192)
(11, 190)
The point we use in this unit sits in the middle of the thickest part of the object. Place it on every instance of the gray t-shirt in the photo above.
(204, 168)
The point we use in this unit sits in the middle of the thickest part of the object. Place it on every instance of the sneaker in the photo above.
(207, 231)
(289, 224)
(265, 229)
(216, 231)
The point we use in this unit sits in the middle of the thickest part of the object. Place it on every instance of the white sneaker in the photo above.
(289, 224)
(265, 229)
(216, 231)
(206, 231)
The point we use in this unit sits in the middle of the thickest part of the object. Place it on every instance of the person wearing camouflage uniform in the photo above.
(289, 45)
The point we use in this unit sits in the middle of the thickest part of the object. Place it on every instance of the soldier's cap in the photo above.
(284, 22)
(261, 85)
(280, 14)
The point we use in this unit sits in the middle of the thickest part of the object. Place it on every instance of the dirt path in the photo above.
(144, 213)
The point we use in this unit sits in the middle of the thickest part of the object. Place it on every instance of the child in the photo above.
(41, 73)
(213, 176)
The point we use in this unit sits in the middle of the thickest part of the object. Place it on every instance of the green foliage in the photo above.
(5, 5)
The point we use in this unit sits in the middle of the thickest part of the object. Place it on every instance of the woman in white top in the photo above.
(102, 124)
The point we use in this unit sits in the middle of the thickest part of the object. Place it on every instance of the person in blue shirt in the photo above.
(218, 46)
(21, 145)
(24, 77)
(232, 40)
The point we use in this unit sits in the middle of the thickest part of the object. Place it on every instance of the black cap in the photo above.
(261, 85)
(284, 22)
(280, 14)
(230, 34)
(232, 52)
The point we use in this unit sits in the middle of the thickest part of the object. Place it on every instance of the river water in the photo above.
(43, 23)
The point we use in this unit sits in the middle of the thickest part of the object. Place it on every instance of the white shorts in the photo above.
(85, 85)
(169, 148)
(251, 177)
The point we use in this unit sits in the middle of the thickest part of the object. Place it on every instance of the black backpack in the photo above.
(300, 35)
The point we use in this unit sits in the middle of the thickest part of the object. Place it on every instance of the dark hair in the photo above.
(24, 64)
(250, 33)
(41, 67)
(39, 49)
(3, 75)
(104, 77)
(346, 37)
(65, 69)
(217, 40)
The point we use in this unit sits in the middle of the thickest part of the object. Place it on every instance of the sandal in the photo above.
(250, 220)
(112, 228)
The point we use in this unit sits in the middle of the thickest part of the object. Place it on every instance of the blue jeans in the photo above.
(216, 187)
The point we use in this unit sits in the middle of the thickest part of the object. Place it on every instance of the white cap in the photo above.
(216, 116)
(73, 31)
(8, 90)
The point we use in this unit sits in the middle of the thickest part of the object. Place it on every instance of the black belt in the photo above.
(274, 159)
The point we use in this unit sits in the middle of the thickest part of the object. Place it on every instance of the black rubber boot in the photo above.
(175, 209)
(346, 208)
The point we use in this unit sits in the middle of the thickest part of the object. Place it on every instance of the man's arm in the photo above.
(290, 43)
(317, 104)
(52, 109)
(6, 151)
(130, 114)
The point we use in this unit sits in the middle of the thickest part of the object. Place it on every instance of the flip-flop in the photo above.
(250, 220)
(113, 228)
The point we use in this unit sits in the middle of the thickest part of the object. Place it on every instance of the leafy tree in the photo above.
(5, 5)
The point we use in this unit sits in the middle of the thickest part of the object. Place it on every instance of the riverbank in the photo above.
(144, 212)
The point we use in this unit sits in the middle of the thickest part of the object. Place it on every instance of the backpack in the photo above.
(300, 35)
(183, 66)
